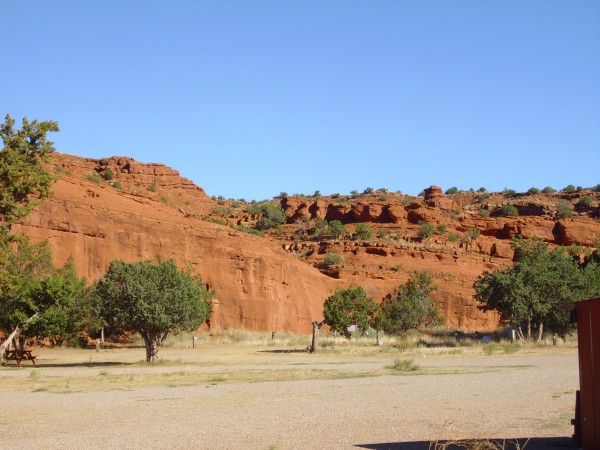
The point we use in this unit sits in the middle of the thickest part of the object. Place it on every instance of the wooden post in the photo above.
(315, 333)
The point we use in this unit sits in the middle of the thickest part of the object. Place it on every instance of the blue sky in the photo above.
(252, 98)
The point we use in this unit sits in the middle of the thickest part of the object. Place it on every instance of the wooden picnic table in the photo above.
(19, 355)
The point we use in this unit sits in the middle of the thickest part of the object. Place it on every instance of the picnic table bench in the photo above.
(19, 355)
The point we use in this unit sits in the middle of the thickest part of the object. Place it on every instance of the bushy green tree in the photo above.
(320, 228)
(152, 299)
(272, 215)
(29, 284)
(337, 228)
(347, 307)
(23, 180)
(363, 232)
(535, 291)
(507, 210)
(410, 307)
(549, 190)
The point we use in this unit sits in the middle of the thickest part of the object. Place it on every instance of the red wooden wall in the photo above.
(588, 330)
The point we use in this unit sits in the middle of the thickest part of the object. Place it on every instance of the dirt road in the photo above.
(526, 394)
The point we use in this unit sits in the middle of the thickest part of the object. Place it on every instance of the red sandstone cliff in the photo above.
(120, 208)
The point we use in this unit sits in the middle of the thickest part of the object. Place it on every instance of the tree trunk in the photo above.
(151, 342)
(520, 333)
(529, 331)
(162, 337)
(315, 335)
(540, 333)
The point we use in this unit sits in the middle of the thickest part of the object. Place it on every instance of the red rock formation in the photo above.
(434, 196)
(149, 211)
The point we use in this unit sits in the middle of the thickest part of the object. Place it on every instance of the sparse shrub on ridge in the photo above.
(549, 190)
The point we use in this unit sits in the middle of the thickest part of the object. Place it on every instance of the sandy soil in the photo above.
(529, 394)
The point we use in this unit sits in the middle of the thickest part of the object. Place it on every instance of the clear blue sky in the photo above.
(252, 98)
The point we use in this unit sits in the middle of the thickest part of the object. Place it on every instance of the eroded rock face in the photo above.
(577, 232)
(258, 285)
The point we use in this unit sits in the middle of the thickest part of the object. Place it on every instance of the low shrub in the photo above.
(332, 258)
(93, 177)
(453, 237)
(404, 365)
(426, 230)
(563, 209)
(507, 210)
(585, 201)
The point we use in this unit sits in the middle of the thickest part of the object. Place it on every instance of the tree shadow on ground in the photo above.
(541, 443)
(291, 350)
(70, 365)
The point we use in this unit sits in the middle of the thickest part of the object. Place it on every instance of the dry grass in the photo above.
(106, 380)
(477, 444)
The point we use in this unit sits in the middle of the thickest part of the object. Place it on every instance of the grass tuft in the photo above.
(404, 365)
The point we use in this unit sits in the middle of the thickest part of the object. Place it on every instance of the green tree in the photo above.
(66, 307)
(410, 307)
(320, 228)
(347, 307)
(272, 215)
(29, 284)
(23, 180)
(536, 290)
(152, 299)
(507, 210)
(363, 232)
(337, 228)
(549, 190)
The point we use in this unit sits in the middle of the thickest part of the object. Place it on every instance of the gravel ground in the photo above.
(506, 396)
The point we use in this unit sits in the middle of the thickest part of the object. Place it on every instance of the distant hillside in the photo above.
(120, 208)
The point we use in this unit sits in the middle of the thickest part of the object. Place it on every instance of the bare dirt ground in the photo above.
(268, 397)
